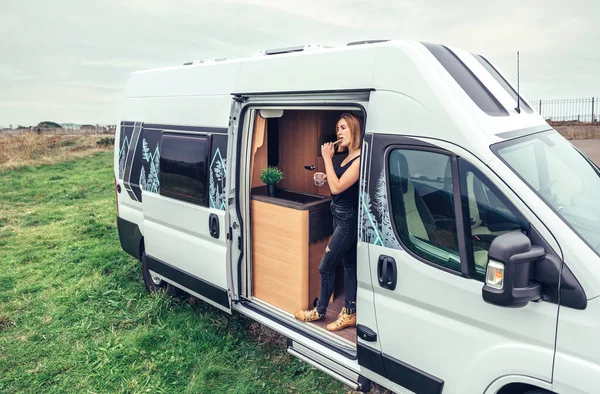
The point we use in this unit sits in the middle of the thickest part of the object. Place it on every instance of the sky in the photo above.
(67, 61)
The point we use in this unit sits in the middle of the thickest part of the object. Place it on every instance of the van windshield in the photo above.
(566, 180)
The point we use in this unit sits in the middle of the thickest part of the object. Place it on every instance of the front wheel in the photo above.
(154, 283)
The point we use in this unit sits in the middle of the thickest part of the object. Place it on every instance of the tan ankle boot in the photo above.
(308, 315)
(344, 320)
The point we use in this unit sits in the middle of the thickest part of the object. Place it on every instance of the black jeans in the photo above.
(341, 246)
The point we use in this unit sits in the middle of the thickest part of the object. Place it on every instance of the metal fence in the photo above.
(583, 110)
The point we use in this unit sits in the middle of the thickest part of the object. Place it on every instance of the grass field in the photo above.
(32, 148)
(76, 318)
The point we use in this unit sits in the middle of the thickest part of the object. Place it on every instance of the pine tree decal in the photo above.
(385, 226)
(218, 172)
(150, 183)
(212, 190)
(122, 165)
(143, 185)
(387, 232)
(368, 225)
(380, 197)
(145, 151)
(153, 183)
(122, 156)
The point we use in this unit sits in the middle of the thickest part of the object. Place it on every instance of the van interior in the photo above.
(290, 230)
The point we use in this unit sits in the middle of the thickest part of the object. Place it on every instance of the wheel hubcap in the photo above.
(156, 280)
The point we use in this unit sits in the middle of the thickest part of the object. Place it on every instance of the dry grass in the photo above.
(580, 133)
(31, 148)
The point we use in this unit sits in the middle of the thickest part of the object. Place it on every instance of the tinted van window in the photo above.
(422, 208)
(183, 167)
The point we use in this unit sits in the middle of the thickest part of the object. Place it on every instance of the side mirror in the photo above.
(510, 269)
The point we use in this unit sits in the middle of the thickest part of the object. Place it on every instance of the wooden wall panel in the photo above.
(325, 133)
(298, 146)
(280, 255)
(260, 147)
(327, 123)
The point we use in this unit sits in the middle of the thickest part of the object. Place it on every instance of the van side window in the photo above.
(487, 214)
(183, 167)
(422, 205)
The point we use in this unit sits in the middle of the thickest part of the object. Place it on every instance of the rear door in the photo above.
(183, 190)
(427, 266)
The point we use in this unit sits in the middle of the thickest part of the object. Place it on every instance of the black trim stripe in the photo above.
(405, 375)
(192, 282)
(129, 236)
(370, 359)
(414, 379)
(198, 129)
(503, 82)
(467, 80)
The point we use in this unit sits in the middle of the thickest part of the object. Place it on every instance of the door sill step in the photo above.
(345, 345)
(349, 378)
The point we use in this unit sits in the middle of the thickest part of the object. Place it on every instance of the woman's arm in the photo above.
(350, 177)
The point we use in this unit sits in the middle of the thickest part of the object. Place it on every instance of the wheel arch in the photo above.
(518, 384)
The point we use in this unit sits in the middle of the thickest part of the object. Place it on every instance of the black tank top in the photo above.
(350, 195)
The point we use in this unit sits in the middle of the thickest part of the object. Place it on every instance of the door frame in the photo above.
(245, 104)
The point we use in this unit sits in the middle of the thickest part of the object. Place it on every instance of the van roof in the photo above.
(447, 82)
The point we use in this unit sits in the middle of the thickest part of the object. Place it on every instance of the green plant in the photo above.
(271, 175)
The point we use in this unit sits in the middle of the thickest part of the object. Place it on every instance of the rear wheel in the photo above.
(153, 283)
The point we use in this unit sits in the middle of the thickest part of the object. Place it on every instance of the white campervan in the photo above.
(479, 225)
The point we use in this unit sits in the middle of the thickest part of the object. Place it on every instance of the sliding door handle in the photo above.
(213, 225)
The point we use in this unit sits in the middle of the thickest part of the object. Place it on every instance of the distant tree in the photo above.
(48, 124)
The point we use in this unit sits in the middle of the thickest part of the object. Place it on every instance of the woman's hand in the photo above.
(327, 150)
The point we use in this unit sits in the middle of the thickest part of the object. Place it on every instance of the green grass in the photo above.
(75, 316)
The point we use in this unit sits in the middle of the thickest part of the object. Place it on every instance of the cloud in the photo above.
(79, 55)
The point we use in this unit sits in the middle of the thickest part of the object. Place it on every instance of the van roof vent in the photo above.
(205, 61)
(299, 48)
(365, 42)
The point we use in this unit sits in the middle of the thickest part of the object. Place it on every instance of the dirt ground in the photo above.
(591, 148)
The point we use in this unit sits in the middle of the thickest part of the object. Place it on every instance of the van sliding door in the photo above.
(184, 207)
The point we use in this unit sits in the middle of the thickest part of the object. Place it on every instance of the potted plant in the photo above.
(271, 176)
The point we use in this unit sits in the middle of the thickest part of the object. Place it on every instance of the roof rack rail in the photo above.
(299, 48)
(205, 61)
(366, 42)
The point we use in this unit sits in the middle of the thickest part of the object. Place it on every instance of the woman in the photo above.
(342, 178)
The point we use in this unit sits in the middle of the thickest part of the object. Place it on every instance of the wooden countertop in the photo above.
(289, 199)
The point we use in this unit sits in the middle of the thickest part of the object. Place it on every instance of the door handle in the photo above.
(213, 225)
(387, 272)
(366, 333)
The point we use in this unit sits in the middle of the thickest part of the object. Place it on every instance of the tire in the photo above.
(536, 391)
(155, 284)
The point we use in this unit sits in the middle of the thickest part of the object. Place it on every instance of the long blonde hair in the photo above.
(355, 128)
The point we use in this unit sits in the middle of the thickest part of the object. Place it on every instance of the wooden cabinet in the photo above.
(285, 258)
